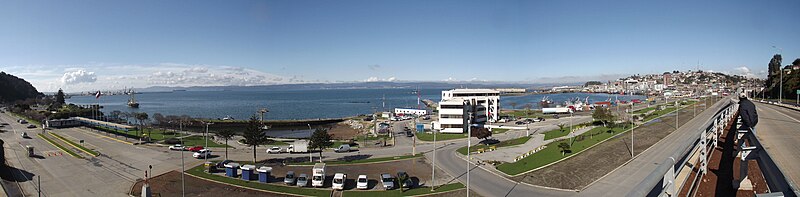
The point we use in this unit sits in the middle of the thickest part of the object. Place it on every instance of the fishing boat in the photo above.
(132, 101)
(545, 102)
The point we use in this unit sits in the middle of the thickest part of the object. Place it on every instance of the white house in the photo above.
(406, 111)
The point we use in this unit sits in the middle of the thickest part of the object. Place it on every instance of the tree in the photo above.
(320, 140)
(226, 134)
(253, 135)
(604, 115)
(773, 76)
(115, 115)
(796, 62)
(142, 118)
(561, 127)
(589, 83)
(513, 105)
(564, 148)
(60, 98)
(480, 132)
(159, 118)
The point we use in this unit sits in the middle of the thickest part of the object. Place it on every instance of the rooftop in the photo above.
(473, 91)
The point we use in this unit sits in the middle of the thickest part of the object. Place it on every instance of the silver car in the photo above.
(289, 179)
(302, 180)
(387, 181)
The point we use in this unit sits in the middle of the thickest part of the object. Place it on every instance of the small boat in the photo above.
(132, 101)
(228, 117)
(545, 102)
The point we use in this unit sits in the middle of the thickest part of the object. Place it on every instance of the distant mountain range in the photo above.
(355, 85)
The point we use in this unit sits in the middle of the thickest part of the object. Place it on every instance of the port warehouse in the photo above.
(454, 102)
(80, 121)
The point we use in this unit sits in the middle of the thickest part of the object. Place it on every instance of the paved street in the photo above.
(110, 174)
(778, 130)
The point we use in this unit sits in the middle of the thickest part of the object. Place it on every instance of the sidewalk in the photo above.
(507, 154)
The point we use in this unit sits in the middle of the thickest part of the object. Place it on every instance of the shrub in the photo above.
(172, 141)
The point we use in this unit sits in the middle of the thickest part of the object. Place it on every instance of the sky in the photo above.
(100, 45)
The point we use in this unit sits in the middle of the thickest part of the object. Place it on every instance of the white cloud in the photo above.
(77, 77)
(746, 72)
(450, 79)
(376, 79)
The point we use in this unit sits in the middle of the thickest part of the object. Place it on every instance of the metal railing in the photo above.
(662, 181)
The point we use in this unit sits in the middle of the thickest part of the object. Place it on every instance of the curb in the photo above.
(518, 182)
(70, 144)
(421, 154)
(118, 140)
(58, 147)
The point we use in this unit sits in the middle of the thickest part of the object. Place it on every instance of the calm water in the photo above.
(282, 104)
(297, 104)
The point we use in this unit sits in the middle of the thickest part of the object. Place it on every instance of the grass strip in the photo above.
(199, 141)
(76, 145)
(511, 142)
(199, 171)
(552, 152)
(440, 136)
(363, 161)
(419, 191)
(59, 146)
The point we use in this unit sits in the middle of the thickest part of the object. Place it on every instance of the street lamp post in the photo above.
(433, 167)
(205, 136)
(183, 171)
(310, 157)
(469, 144)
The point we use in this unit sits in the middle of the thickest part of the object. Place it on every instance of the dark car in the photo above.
(540, 119)
(519, 123)
(222, 163)
(407, 183)
(409, 134)
(30, 126)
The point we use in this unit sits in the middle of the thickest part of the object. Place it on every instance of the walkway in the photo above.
(778, 130)
(507, 154)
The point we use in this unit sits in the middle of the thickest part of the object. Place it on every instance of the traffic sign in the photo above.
(798, 91)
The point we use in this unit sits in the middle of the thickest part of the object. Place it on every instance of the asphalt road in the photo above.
(778, 130)
(623, 180)
(110, 174)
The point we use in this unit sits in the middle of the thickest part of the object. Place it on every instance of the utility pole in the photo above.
(183, 171)
(469, 144)
(206, 138)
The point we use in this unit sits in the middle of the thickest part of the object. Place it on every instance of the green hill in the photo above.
(13, 88)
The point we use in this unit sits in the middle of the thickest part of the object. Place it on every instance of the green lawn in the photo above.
(363, 161)
(30, 121)
(645, 110)
(511, 142)
(552, 153)
(555, 133)
(159, 134)
(440, 136)
(59, 146)
(658, 113)
(408, 192)
(199, 141)
(199, 171)
(84, 149)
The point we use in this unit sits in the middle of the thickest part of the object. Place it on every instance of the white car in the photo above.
(274, 150)
(302, 180)
(202, 154)
(177, 147)
(338, 181)
(362, 182)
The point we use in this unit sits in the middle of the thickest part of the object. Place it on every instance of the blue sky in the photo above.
(112, 44)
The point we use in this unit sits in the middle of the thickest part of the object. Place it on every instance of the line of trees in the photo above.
(791, 78)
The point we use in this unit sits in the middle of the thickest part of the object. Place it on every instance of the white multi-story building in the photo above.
(407, 111)
(452, 111)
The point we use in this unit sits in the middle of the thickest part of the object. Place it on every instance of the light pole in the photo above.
(183, 171)
(310, 157)
(205, 136)
(780, 92)
(469, 144)
(433, 167)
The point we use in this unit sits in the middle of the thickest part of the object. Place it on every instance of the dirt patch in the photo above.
(169, 184)
(345, 131)
(581, 170)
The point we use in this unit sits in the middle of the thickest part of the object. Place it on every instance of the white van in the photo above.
(338, 181)
(342, 148)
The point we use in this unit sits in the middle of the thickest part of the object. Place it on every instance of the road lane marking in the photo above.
(785, 115)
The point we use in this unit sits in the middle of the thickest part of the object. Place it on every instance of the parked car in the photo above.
(407, 183)
(196, 148)
(221, 164)
(540, 119)
(204, 153)
(21, 121)
(30, 126)
(387, 181)
(409, 134)
(5, 123)
(289, 178)
(274, 150)
(519, 123)
(362, 182)
(302, 180)
(338, 181)
(342, 148)
(177, 147)
(25, 135)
